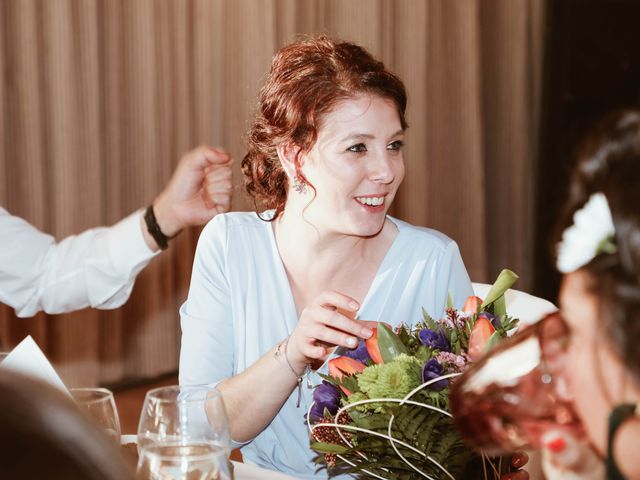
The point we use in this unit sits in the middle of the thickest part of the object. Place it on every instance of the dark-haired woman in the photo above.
(272, 294)
(44, 435)
(599, 255)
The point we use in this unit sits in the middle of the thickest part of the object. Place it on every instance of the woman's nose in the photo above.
(381, 169)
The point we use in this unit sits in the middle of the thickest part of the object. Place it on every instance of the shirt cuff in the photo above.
(127, 246)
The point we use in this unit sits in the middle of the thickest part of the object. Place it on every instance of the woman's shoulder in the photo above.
(236, 221)
(423, 237)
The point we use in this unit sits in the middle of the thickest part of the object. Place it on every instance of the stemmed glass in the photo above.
(99, 405)
(183, 434)
(517, 392)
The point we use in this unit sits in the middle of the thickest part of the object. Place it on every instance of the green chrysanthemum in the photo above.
(392, 380)
(368, 378)
(407, 360)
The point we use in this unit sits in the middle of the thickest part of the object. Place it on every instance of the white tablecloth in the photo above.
(244, 471)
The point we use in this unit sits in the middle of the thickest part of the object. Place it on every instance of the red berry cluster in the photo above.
(330, 434)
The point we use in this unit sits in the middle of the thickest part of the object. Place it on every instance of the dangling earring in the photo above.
(299, 185)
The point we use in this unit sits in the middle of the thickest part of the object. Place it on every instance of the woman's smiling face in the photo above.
(355, 166)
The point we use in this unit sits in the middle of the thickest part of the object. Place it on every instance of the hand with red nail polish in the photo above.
(568, 458)
(518, 460)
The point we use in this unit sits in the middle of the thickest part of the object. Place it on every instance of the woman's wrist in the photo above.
(298, 368)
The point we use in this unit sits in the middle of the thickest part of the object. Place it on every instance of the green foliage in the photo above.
(430, 323)
(323, 447)
(389, 343)
(505, 281)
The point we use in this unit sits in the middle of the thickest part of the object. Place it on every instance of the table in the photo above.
(245, 471)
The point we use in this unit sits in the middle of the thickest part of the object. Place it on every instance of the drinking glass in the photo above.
(99, 405)
(517, 391)
(183, 434)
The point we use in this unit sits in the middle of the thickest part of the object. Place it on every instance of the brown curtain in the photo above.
(98, 100)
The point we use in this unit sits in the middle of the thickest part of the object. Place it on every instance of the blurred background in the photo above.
(99, 99)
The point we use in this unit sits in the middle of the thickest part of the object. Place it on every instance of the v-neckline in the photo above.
(292, 319)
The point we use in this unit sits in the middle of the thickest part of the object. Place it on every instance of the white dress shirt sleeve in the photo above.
(96, 268)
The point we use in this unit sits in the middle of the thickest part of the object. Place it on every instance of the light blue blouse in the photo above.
(240, 305)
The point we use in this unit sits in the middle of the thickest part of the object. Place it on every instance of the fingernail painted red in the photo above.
(557, 445)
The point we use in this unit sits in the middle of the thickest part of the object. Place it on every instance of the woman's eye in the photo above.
(360, 147)
(397, 145)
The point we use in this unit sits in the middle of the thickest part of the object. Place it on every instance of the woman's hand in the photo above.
(566, 457)
(324, 324)
(518, 460)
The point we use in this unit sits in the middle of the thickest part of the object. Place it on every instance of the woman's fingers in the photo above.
(337, 321)
(567, 456)
(326, 323)
(519, 475)
(312, 351)
(335, 300)
(326, 334)
(519, 459)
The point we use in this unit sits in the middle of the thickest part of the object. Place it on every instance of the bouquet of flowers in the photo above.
(383, 410)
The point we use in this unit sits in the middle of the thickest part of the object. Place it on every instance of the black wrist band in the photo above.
(154, 229)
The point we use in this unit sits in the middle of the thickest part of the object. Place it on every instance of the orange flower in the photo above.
(472, 305)
(480, 335)
(340, 366)
(373, 348)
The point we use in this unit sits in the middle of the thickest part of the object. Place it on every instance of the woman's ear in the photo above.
(289, 155)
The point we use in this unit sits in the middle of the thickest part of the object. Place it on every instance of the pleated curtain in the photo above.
(98, 100)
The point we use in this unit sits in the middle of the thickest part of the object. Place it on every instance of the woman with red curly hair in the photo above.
(273, 294)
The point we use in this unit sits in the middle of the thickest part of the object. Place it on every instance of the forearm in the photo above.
(254, 397)
(96, 268)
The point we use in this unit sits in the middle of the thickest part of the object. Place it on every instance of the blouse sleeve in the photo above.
(206, 354)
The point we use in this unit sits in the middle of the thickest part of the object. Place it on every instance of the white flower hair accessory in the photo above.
(592, 233)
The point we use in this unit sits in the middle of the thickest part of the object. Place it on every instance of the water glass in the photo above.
(517, 391)
(99, 405)
(183, 434)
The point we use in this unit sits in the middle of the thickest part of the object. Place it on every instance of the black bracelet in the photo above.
(154, 229)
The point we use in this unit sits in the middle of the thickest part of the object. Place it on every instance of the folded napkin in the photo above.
(28, 359)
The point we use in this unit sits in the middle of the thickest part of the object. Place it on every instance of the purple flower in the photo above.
(435, 340)
(359, 353)
(494, 319)
(432, 369)
(326, 396)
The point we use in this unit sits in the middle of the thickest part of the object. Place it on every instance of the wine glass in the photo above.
(99, 405)
(517, 391)
(183, 434)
